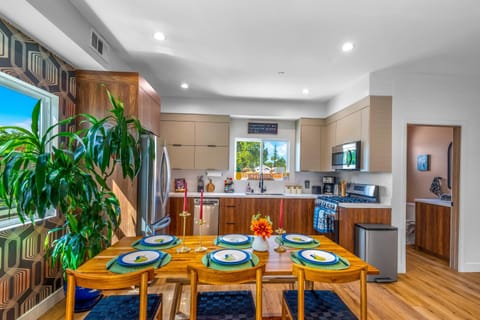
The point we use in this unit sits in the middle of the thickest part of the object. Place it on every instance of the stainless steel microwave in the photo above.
(346, 156)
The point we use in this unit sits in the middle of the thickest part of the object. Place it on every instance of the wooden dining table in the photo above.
(276, 263)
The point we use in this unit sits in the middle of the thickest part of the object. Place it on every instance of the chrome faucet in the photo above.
(261, 184)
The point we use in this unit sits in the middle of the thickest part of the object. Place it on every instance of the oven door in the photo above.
(325, 221)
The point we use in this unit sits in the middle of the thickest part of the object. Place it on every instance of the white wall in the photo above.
(444, 100)
(246, 108)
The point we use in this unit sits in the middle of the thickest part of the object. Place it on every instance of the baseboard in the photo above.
(43, 306)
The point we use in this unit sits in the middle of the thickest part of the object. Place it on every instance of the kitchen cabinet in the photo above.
(370, 121)
(349, 128)
(328, 142)
(174, 207)
(141, 101)
(236, 214)
(196, 141)
(309, 144)
(432, 229)
(348, 217)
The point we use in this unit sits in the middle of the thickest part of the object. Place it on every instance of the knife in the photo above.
(295, 257)
(343, 261)
(159, 262)
(110, 263)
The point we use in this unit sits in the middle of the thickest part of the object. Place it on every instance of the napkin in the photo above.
(341, 264)
(115, 267)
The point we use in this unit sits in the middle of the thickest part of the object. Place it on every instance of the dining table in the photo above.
(276, 263)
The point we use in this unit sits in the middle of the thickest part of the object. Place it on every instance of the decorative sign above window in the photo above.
(263, 128)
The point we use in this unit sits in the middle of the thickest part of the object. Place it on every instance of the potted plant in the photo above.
(36, 175)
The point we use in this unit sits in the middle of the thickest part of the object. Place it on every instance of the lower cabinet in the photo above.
(236, 214)
(348, 217)
(174, 207)
(432, 229)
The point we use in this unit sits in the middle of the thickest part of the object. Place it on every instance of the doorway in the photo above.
(433, 167)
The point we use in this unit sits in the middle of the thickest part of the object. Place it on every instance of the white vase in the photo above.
(259, 243)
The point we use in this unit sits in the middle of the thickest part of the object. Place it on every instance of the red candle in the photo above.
(185, 198)
(280, 223)
(201, 205)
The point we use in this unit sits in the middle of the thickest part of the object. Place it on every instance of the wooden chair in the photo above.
(142, 306)
(221, 304)
(322, 304)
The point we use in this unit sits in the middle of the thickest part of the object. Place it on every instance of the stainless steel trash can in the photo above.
(377, 245)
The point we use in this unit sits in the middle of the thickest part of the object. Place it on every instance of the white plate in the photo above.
(235, 239)
(318, 256)
(230, 256)
(158, 240)
(297, 238)
(138, 258)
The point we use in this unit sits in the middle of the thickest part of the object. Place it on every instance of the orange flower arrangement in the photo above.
(261, 226)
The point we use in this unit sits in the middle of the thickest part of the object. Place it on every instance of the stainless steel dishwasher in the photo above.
(210, 215)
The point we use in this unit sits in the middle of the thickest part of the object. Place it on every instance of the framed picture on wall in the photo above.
(423, 162)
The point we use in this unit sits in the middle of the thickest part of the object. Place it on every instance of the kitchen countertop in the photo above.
(435, 201)
(244, 195)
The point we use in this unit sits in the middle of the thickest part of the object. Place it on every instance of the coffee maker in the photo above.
(328, 184)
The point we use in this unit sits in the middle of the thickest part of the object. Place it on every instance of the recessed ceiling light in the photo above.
(305, 91)
(159, 36)
(184, 85)
(347, 47)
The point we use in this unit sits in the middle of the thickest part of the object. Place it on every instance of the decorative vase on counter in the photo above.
(260, 243)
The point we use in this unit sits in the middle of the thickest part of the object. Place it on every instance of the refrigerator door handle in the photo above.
(165, 174)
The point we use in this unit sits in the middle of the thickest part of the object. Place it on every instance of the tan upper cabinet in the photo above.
(370, 121)
(211, 134)
(196, 141)
(309, 144)
(328, 141)
(349, 128)
(179, 133)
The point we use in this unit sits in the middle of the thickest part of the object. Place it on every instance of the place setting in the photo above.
(136, 260)
(298, 241)
(322, 259)
(230, 259)
(156, 242)
(234, 241)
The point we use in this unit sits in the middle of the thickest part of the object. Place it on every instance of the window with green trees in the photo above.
(253, 156)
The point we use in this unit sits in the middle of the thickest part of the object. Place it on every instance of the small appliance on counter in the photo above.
(328, 184)
(200, 184)
(228, 185)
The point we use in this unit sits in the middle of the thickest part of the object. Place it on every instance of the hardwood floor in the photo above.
(429, 290)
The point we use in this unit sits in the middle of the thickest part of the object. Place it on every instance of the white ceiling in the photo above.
(236, 48)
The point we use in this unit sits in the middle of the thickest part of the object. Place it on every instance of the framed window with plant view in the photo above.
(17, 100)
(267, 156)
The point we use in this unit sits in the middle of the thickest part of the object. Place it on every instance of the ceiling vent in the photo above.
(99, 45)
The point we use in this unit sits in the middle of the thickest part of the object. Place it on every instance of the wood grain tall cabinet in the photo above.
(141, 101)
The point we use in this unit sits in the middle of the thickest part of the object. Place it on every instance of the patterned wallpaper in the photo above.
(25, 276)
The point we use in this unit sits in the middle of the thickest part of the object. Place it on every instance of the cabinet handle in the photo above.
(212, 145)
(230, 223)
(230, 206)
(176, 145)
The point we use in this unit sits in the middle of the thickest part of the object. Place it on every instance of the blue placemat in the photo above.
(208, 262)
(222, 244)
(115, 267)
(138, 245)
(341, 264)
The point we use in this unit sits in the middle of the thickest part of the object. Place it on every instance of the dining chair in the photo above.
(214, 305)
(323, 304)
(138, 306)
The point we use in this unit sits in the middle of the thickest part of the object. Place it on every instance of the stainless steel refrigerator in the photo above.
(153, 187)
